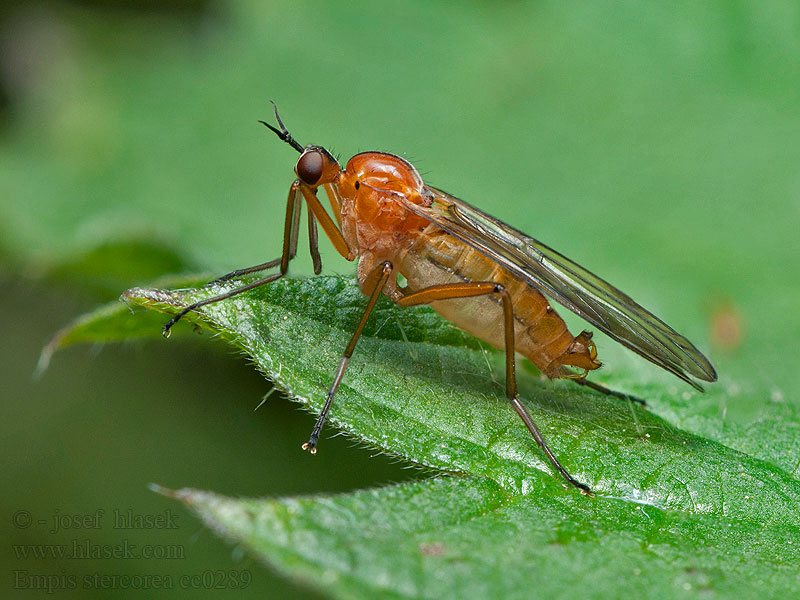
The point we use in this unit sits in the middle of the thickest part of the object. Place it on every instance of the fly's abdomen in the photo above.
(540, 333)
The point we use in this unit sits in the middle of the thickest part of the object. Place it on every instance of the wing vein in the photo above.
(569, 284)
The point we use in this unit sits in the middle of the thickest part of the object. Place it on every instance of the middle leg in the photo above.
(375, 282)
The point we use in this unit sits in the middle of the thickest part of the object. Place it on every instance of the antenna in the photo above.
(283, 133)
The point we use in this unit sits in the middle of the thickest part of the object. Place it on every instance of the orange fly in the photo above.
(483, 275)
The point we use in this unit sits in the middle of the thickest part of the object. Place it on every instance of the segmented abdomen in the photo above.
(437, 257)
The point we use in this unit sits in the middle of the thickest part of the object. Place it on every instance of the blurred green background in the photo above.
(656, 144)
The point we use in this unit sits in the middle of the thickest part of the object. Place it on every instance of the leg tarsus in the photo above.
(259, 282)
(608, 392)
(537, 435)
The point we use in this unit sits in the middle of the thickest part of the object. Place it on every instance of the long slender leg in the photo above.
(239, 272)
(258, 283)
(292, 211)
(603, 389)
(289, 250)
(471, 289)
(374, 282)
(313, 243)
(289, 247)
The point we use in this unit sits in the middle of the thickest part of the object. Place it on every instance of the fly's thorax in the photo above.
(376, 188)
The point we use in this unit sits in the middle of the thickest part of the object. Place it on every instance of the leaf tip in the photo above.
(47, 352)
(188, 496)
(164, 491)
(145, 296)
(44, 358)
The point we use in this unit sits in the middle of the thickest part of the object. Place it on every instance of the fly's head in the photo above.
(316, 166)
(378, 186)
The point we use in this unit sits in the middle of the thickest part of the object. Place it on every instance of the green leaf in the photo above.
(676, 159)
(673, 510)
(469, 538)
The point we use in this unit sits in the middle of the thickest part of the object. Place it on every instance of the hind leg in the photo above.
(482, 288)
(601, 388)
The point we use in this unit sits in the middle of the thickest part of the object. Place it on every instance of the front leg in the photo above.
(290, 228)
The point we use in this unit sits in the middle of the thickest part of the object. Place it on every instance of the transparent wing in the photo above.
(569, 284)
